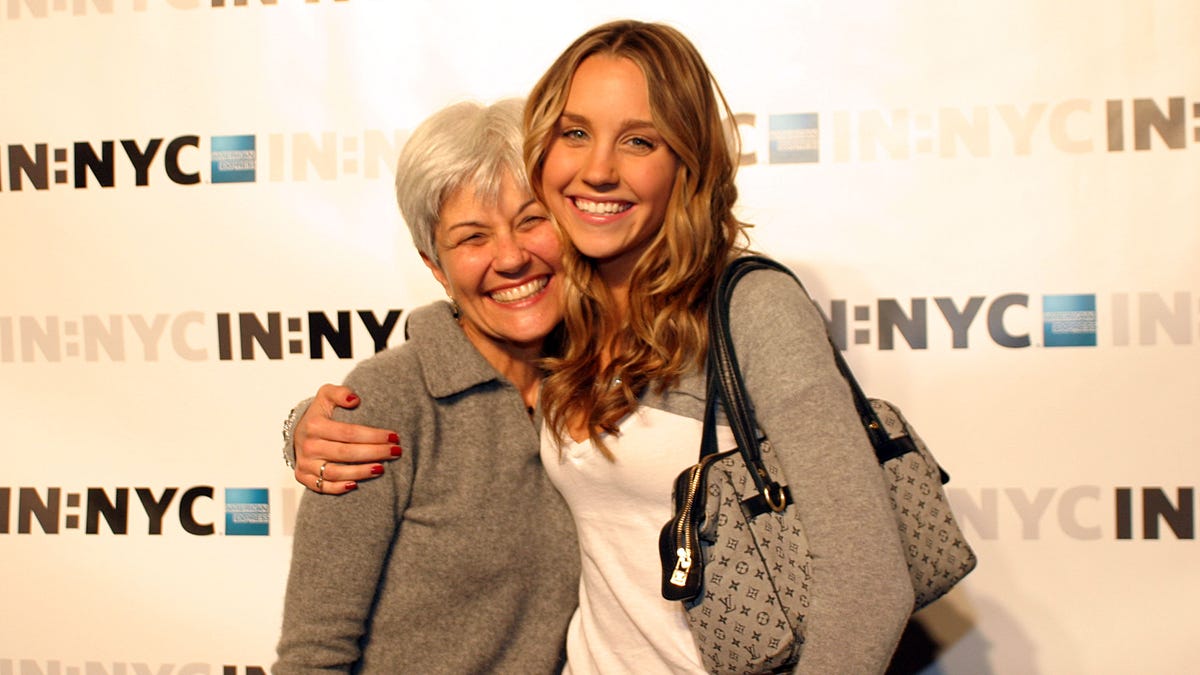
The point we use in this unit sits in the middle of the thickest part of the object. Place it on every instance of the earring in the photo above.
(455, 310)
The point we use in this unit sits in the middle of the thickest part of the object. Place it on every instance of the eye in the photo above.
(574, 134)
(531, 220)
(641, 145)
(468, 239)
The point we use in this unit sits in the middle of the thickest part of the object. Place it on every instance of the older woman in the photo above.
(463, 557)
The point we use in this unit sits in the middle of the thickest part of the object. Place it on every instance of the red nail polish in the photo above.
(393, 438)
(351, 485)
(351, 398)
(376, 470)
(396, 450)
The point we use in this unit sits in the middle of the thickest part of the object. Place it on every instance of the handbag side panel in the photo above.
(938, 554)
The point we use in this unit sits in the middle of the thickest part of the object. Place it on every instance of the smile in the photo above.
(521, 292)
(601, 208)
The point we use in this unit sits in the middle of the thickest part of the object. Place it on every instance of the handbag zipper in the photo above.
(683, 554)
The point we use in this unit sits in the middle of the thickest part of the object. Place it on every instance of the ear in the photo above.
(438, 274)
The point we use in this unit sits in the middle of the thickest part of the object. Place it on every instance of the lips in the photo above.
(518, 293)
(605, 208)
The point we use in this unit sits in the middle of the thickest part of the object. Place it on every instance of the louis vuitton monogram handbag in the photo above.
(735, 551)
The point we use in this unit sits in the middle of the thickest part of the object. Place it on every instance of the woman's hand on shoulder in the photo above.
(331, 456)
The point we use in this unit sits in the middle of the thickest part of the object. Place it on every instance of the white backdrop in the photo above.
(996, 201)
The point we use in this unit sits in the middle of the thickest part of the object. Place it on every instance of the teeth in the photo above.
(600, 208)
(520, 292)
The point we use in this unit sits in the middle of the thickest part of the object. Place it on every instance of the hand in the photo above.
(349, 452)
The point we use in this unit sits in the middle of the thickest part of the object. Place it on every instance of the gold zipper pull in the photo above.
(683, 561)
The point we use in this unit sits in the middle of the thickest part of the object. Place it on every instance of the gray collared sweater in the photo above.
(462, 557)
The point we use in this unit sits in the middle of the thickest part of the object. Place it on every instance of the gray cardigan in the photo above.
(462, 557)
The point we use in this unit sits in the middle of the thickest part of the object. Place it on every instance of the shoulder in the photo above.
(390, 387)
(766, 286)
(386, 366)
(766, 303)
(394, 383)
(427, 328)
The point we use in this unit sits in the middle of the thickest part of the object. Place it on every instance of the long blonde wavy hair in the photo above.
(665, 333)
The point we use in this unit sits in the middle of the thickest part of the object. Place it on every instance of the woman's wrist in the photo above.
(289, 431)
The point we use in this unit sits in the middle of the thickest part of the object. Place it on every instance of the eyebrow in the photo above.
(625, 124)
(475, 223)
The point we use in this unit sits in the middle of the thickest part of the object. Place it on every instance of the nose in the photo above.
(600, 169)
(510, 254)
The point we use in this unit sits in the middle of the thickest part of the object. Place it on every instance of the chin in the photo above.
(598, 250)
(530, 333)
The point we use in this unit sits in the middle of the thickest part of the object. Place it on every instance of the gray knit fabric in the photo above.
(462, 557)
(861, 594)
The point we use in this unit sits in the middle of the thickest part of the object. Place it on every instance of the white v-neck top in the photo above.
(623, 624)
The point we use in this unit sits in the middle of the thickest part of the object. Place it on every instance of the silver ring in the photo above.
(320, 482)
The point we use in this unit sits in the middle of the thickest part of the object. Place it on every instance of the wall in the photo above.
(995, 201)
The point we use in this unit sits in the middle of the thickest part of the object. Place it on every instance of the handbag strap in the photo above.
(723, 360)
(724, 384)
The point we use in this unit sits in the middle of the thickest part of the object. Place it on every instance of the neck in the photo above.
(526, 377)
(616, 276)
(516, 363)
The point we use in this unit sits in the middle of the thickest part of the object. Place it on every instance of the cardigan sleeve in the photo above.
(861, 592)
(339, 552)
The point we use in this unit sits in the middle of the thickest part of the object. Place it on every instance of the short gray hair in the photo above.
(465, 144)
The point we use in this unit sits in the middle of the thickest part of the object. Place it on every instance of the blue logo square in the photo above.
(795, 138)
(234, 159)
(247, 511)
(1069, 320)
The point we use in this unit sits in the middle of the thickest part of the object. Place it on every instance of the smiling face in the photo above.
(500, 262)
(608, 173)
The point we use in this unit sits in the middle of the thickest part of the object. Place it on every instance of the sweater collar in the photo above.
(449, 362)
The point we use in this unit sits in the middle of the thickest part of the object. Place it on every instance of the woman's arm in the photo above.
(349, 452)
(861, 594)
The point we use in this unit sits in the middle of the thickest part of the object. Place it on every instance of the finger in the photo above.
(319, 449)
(325, 486)
(342, 473)
(321, 427)
(330, 396)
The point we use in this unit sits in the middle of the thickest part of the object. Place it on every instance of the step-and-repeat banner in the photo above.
(997, 204)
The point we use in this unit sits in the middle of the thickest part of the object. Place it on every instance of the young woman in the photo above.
(462, 558)
(626, 147)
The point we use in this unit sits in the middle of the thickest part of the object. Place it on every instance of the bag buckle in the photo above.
(777, 503)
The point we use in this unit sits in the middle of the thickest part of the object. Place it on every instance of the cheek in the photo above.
(543, 243)
(552, 255)
(556, 170)
(461, 268)
(663, 180)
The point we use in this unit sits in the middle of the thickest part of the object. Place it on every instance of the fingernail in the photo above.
(393, 438)
(351, 485)
(396, 450)
(351, 398)
(376, 470)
